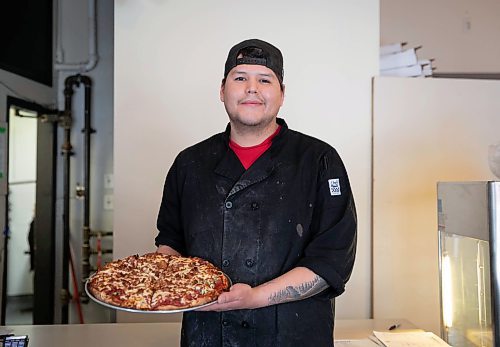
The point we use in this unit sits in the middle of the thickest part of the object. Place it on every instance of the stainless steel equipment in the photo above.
(469, 262)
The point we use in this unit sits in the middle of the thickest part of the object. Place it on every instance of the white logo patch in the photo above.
(334, 184)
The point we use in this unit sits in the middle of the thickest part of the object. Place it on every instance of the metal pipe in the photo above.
(104, 251)
(97, 233)
(92, 41)
(85, 253)
(66, 123)
(87, 130)
(67, 151)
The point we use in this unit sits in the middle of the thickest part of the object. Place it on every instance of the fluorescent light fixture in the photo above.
(447, 292)
(26, 113)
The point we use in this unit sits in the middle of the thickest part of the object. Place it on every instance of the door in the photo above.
(44, 226)
(28, 275)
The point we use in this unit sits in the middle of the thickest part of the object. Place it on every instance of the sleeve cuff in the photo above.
(324, 270)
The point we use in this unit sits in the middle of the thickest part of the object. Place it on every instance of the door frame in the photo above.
(44, 226)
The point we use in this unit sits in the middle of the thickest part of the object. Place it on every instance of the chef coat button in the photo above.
(245, 324)
(255, 205)
(225, 263)
(225, 322)
(229, 204)
(249, 262)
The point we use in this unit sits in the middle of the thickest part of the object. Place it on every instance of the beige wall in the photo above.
(425, 131)
(462, 35)
(169, 58)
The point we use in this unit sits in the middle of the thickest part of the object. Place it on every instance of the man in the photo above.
(271, 207)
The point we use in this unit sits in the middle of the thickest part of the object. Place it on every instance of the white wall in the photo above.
(75, 49)
(461, 35)
(425, 131)
(22, 88)
(169, 59)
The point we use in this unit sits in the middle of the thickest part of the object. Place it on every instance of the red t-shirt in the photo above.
(248, 155)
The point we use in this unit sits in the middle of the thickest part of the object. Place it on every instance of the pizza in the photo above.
(158, 282)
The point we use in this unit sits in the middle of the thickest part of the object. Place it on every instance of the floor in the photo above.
(19, 311)
(92, 313)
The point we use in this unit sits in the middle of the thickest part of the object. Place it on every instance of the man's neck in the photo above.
(252, 136)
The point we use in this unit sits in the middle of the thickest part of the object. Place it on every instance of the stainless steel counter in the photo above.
(158, 334)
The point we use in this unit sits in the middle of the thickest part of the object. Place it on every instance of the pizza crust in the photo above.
(194, 303)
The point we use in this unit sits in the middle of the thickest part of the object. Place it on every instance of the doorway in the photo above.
(28, 203)
(21, 188)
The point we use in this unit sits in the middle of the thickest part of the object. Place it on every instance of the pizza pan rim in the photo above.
(133, 310)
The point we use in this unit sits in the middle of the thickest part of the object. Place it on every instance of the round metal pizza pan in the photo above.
(144, 311)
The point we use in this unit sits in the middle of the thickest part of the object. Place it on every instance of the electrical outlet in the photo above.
(108, 202)
(108, 181)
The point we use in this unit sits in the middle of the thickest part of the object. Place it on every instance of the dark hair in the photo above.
(251, 52)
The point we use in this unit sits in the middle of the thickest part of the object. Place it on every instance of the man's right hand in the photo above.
(166, 250)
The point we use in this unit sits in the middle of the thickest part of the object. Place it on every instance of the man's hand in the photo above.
(297, 284)
(166, 250)
(240, 296)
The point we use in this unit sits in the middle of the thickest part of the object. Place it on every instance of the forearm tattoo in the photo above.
(299, 292)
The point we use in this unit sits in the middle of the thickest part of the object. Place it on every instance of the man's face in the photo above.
(252, 96)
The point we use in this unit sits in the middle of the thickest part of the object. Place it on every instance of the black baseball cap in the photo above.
(270, 57)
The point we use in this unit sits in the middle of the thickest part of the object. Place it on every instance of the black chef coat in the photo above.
(292, 207)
